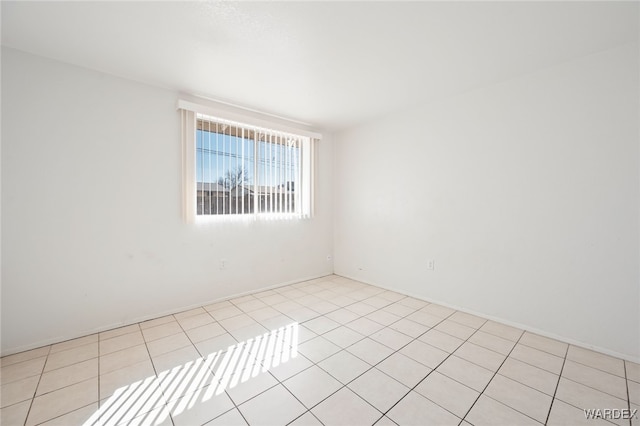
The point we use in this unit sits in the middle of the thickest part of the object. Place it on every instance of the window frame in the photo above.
(190, 114)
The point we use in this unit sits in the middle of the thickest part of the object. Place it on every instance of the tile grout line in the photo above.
(208, 368)
(491, 379)
(35, 392)
(156, 374)
(553, 399)
(428, 374)
(626, 382)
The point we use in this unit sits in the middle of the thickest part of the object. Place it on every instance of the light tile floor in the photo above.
(328, 351)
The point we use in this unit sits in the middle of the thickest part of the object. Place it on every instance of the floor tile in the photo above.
(529, 375)
(124, 377)
(383, 317)
(18, 391)
(447, 393)
(487, 411)
(205, 332)
(168, 344)
(424, 353)
(186, 314)
(121, 342)
(345, 349)
(156, 321)
(162, 330)
(344, 366)
(307, 419)
(128, 403)
(343, 336)
(455, 329)
(120, 331)
(360, 308)
(597, 360)
(495, 343)
(63, 401)
(634, 392)
(399, 309)
(24, 356)
(321, 325)
(502, 330)
(275, 406)
(230, 418)
(225, 312)
(467, 319)
(438, 310)
(481, 356)
(22, 370)
(584, 397)
(563, 414)
(66, 376)
(324, 307)
(215, 344)
(343, 316)
(424, 318)
(413, 303)
(312, 385)
(537, 358)
(263, 313)
(441, 340)
(73, 343)
(274, 299)
(378, 389)
(346, 408)
(385, 421)
(545, 344)
(522, 398)
(293, 366)
(318, 349)
(370, 351)
(251, 305)
(76, 417)
(157, 417)
(414, 409)
(302, 314)
(465, 372)
(237, 322)
(595, 378)
(633, 371)
(377, 302)
(241, 391)
(173, 359)
(15, 414)
(248, 332)
(71, 356)
(404, 369)
(199, 407)
(391, 338)
(123, 358)
(408, 327)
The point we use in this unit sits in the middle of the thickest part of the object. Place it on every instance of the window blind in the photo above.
(243, 170)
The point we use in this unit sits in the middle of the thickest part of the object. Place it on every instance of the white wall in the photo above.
(92, 233)
(525, 194)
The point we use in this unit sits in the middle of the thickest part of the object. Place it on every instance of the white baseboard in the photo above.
(521, 326)
(64, 338)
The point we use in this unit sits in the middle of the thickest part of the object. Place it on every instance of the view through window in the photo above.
(242, 169)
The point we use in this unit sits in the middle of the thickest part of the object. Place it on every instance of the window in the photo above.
(234, 169)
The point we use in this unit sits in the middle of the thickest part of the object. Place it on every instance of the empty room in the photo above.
(320, 213)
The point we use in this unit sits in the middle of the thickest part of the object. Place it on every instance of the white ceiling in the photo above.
(330, 64)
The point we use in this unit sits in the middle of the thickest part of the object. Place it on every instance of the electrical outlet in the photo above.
(430, 265)
(223, 264)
